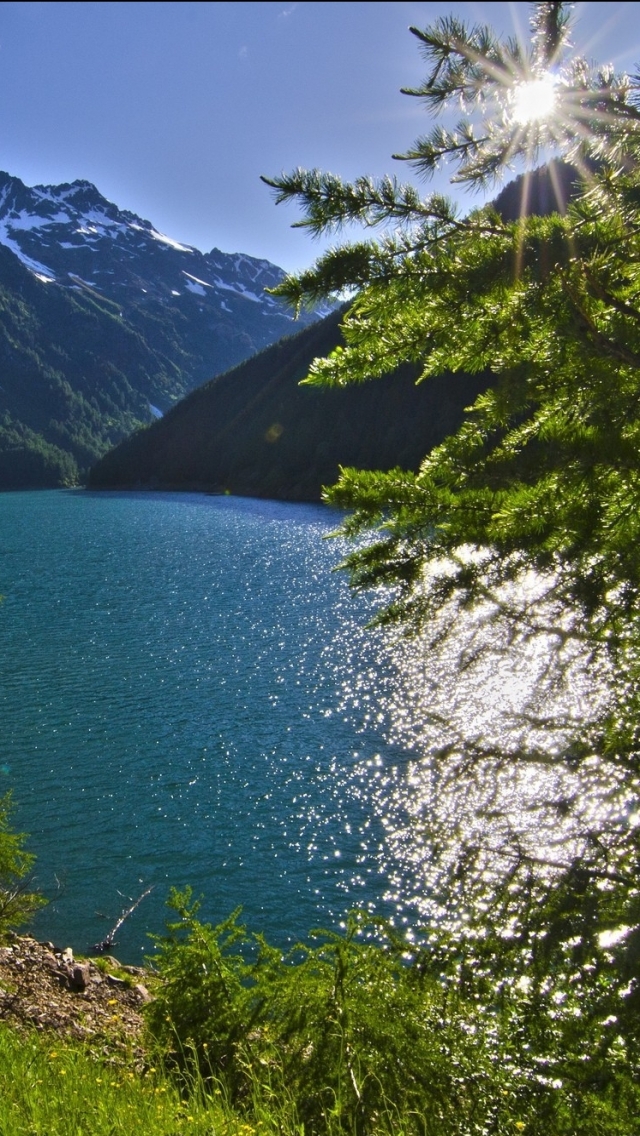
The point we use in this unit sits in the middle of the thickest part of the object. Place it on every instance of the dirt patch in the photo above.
(47, 989)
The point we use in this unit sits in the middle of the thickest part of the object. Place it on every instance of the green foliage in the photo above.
(539, 483)
(345, 1034)
(28, 461)
(560, 994)
(366, 1032)
(543, 473)
(17, 905)
(544, 470)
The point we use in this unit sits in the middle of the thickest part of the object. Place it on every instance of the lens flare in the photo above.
(535, 100)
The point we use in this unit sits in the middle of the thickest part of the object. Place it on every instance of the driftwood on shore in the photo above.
(110, 940)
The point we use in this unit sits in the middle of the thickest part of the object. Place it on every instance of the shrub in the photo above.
(17, 904)
(345, 1035)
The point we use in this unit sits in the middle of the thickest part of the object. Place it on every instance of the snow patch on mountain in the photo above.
(239, 289)
(169, 241)
(72, 235)
(197, 280)
(40, 270)
(25, 221)
(195, 288)
(249, 295)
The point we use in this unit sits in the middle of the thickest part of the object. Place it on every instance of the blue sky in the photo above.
(174, 110)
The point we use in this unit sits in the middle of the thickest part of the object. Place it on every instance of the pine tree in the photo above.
(543, 473)
(543, 476)
(17, 905)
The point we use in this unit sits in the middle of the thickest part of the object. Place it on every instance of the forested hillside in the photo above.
(255, 431)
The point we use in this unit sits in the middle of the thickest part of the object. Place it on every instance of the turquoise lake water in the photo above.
(188, 697)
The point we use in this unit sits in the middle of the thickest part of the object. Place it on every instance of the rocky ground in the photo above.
(99, 1001)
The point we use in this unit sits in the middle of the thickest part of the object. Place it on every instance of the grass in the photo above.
(63, 1089)
(341, 1038)
(50, 1087)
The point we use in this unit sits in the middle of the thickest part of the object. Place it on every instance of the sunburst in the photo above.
(535, 100)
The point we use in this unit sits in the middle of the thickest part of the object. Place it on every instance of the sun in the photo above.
(535, 100)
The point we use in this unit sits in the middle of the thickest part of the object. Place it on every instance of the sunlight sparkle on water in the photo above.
(222, 723)
(461, 703)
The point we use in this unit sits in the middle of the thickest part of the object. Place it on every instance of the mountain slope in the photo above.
(254, 431)
(105, 322)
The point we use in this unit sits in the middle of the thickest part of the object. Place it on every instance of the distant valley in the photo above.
(106, 323)
(255, 431)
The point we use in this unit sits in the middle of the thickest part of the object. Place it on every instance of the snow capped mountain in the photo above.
(105, 323)
(71, 235)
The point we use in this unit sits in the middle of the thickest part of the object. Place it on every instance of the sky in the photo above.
(173, 110)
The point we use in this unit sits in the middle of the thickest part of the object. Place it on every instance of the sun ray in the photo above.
(535, 100)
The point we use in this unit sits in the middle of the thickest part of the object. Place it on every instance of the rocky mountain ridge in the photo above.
(105, 323)
(71, 235)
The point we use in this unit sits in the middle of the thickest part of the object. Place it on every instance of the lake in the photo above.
(189, 695)
(177, 675)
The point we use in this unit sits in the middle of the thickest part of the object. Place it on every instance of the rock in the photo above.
(113, 980)
(79, 976)
(67, 955)
(142, 992)
(40, 989)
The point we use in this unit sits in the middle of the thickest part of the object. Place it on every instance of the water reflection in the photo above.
(493, 716)
(190, 696)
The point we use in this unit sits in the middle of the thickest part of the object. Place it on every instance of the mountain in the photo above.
(106, 323)
(255, 432)
(548, 189)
